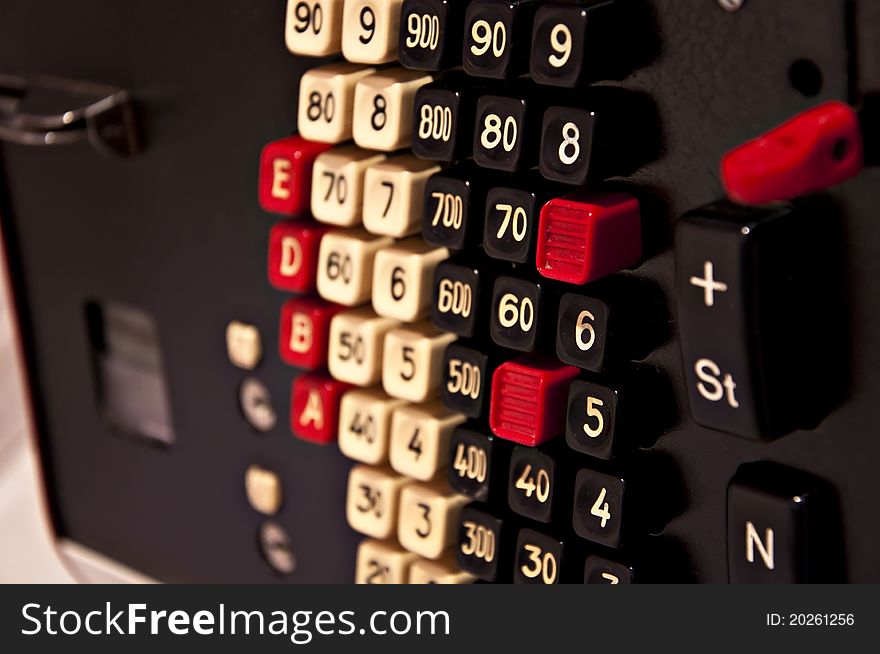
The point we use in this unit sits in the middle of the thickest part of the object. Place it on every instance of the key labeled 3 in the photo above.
(429, 516)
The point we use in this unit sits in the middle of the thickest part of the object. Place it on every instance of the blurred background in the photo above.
(27, 551)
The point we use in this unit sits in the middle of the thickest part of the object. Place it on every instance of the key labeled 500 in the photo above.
(810, 620)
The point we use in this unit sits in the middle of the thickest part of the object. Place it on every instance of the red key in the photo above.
(293, 255)
(584, 236)
(812, 151)
(314, 407)
(304, 334)
(286, 175)
(529, 396)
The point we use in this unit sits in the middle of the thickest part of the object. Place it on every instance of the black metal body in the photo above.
(176, 230)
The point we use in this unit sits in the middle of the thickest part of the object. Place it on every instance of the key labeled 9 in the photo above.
(370, 30)
(558, 36)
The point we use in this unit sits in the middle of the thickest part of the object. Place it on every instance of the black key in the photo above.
(611, 417)
(454, 201)
(497, 38)
(591, 424)
(539, 558)
(430, 34)
(600, 503)
(443, 120)
(582, 331)
(610, 133)
(599, 570)
(575, 43)
(457, 298)
(467, 380)
(567, 141)
(620, 319)
(477, 466)
(744, 276)
(781, 527)
(519, 313)
(480, 548)
(506, 132)
(509, 224)
(530, 484)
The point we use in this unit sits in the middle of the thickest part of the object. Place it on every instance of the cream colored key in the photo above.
(394, 195)
(263, 488)
(383, 108)
(326, 101)
(403, 279)
(338, 184)
(381, 562)
(412, 361)
(243, 345)
(419, 442)
(313, 27)
(357, 340)
(370, 30)
(428, 523)
(365, 424)
(373, 499)
(443, 571)
(345, 265)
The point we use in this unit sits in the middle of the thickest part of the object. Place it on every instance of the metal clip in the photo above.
(107, 123)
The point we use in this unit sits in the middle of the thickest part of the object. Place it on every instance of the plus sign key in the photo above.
(744, 276)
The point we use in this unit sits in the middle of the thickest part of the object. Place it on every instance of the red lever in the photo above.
(812, 151)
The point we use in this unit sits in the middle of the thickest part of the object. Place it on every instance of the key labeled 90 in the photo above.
(313, 27)
(496, 38)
